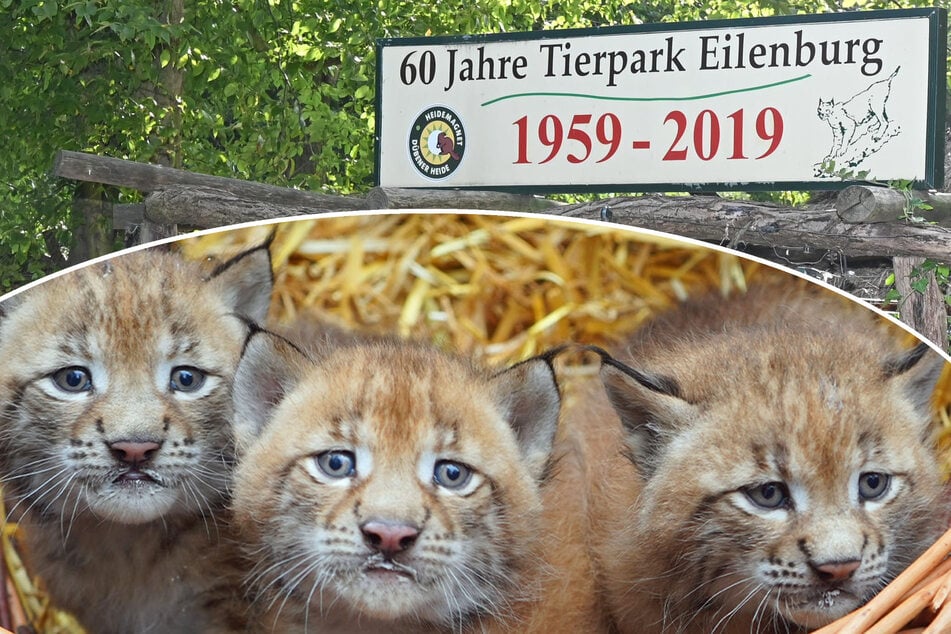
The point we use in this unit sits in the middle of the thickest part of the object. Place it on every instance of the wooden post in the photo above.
(6, 615)
(925, 312)
(93, 235)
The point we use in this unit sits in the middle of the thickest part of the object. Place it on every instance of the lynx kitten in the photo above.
(778, 464)
(115, 444)
(384, 486)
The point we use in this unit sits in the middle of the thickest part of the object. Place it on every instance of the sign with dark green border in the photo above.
(793, 102)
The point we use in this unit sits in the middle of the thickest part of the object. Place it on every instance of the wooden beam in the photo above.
(732, 223)
(862, 203)
(146, 177)
(398, 198)
(127, 215)
(204, 208)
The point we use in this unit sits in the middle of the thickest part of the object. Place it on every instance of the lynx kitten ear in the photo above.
(915, 373)
(246, 280)
(533, 404)
(650, 406)
(8, 304)
(270, 367)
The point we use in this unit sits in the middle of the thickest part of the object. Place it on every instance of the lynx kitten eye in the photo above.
(185, 378)
(337, 463)
(873, 485)
(451, 475)
(771, 495)
(73, 379)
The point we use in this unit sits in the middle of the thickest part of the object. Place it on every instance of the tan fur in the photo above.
(783, 385)
(125, 547)
(481, 561)
(568, 597)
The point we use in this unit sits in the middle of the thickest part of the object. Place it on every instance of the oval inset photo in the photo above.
(464, 422)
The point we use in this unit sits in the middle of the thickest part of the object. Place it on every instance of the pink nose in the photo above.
(133, 452)
(389, 538)
(836, 570)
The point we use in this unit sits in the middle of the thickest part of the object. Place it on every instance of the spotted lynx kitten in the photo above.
(385, 486)
(772, 468)
(115, 443)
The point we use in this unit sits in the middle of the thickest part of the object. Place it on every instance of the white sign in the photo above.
(747, 104)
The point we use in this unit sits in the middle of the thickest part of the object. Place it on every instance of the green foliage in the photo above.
(913, 204)
(278, 91)
(844, 173)
(920, 277)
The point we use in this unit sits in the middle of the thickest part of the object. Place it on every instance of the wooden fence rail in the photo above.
(865, 221)
(146, 177)
(734, 222)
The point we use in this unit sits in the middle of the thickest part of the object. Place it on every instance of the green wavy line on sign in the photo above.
(607, 98)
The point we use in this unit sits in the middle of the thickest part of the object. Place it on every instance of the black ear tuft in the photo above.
(904, 362)
(246, 281)
(650, 406)
(264, 246)
(270, 368)
(655, 382)
(10, 302)
(916, 372)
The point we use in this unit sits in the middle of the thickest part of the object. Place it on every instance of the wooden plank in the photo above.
(731, 223)
(146, 177)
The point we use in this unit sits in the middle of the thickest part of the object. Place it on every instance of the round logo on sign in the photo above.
(437, 142)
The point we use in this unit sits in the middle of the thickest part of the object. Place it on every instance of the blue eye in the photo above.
(73, 379)
(337, 463)
(451, 475)
(771, 495)
(185, 378)
(873, 485)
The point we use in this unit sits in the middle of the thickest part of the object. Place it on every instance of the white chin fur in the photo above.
(389, 599)
(820, 616)
(132, 505)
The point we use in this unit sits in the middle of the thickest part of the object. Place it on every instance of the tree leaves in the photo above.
(278, 92)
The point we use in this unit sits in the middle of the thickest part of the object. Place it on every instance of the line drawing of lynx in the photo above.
(860, 126)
